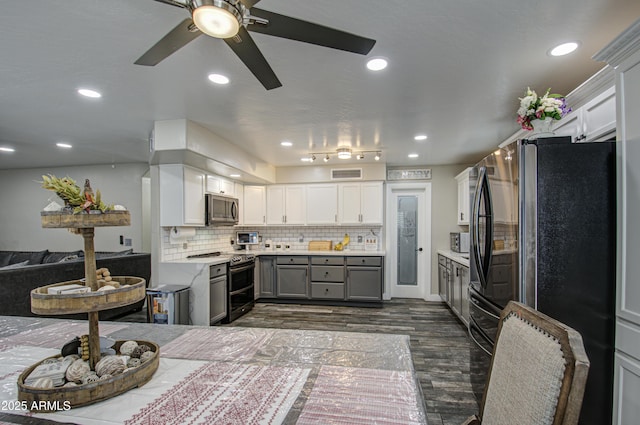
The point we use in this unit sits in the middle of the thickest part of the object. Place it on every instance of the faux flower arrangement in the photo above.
(533, 107)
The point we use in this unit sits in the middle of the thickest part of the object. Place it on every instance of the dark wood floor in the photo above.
(439, 344)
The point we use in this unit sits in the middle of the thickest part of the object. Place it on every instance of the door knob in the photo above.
(419, 250)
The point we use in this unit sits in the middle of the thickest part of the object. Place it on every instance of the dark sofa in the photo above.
(22, 271)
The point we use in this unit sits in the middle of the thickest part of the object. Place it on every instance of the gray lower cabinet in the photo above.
(364, 278)
(443, 275)
(327, 278)
(292, 277)
(460, 287)
(267, 265)
(318, 277)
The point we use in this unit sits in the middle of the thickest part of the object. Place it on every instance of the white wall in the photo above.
(444, 203)
(22, 199)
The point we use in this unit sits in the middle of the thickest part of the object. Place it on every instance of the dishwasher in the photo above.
(217, 293)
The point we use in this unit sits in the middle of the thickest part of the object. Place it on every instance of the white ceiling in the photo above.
(457, 68)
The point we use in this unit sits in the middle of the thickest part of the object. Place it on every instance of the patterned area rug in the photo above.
(356, 396)
(222, 344)
(224, 393)
(56, 335)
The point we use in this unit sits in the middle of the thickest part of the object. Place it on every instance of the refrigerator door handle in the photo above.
(482, 262)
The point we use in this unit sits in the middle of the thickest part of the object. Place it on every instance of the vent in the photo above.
(346, 174)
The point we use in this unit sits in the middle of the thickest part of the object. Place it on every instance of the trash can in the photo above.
(168, 304)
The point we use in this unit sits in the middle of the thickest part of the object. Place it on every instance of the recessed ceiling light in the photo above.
(218, 79)
(89, 93)
(7, 150)
(64, 145)
(421, 137)
(413, 155)
(377, 64)
(286, 143)
(235, 175)
(564, 49)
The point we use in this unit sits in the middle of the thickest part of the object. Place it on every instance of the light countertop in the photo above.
(456, 256)
(225, 257)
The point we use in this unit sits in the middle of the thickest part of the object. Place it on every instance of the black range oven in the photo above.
(240, 283)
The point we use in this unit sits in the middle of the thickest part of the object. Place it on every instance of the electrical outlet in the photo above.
(359, 238)
(231, 241)
(127, 242)
(185, 245)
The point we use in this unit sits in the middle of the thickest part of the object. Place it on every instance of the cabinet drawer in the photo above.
(334, 291)
(364, 261)
(217, 270)
(293, 260)
(330, 261)
(327, 273)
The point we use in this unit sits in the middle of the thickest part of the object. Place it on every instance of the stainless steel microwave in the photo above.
(221, 210)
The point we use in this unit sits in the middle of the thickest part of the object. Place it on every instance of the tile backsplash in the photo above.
(210, 239)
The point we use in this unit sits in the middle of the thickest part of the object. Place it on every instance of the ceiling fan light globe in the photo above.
(217, 20)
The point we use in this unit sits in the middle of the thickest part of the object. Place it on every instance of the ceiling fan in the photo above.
(230, 20)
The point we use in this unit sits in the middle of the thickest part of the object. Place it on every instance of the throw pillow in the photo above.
(31, 257)
(113, 254)
(15, 265)
(5, 258)
(56, 257)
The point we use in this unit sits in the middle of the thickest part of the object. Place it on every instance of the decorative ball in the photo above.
(133, 362)
(106, 376)
(73, 357)
(70, 384)
(43, 383)
(112, 365)
(90, 377)
(127, 347)
(77, 371)
(147, 355)
(137, 352)
(106, 288)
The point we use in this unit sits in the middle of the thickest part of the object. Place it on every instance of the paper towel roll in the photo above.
(181, 234)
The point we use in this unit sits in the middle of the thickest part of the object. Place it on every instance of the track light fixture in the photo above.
(343, 153)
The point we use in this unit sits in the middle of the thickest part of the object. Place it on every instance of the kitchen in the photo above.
(442, 181)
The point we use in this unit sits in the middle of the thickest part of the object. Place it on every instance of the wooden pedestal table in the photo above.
(131, 290)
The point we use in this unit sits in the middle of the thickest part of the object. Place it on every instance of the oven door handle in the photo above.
(241, 290)
(475, 340)
(241, 269)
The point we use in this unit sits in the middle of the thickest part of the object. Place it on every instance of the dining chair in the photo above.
(537, 373)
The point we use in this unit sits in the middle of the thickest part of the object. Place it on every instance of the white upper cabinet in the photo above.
(595, 121)
(286, 204)
(463, 197)
(360, 203)
(220, 186)
(599, 116)
(181, 196)
(322, 204)
(254, 206)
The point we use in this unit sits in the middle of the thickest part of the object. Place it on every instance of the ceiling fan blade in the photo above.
(308, 32)
(243, 46)
(175, 3)
(170, 43)
(247, 3)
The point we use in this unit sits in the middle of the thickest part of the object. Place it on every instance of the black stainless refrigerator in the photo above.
(543, 229)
